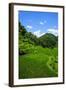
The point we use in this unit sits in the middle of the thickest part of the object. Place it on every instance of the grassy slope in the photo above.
(41, 62)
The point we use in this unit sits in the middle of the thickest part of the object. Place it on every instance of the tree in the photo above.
(22, 29)
(32, 38)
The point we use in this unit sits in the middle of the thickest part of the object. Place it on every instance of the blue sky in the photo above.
(39, 23)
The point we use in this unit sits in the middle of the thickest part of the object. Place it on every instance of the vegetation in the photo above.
(48, 40)
(37, 56)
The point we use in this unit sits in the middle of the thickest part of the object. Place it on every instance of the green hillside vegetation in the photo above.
(48, 40)
(37, 56)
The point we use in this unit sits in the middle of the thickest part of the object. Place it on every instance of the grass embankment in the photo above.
(41, 62)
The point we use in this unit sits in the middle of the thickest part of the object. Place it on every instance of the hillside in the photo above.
(27, 40)
(48, 40)
(37, 56)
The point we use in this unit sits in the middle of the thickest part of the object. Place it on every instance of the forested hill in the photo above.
(48, 40)
(27, 40)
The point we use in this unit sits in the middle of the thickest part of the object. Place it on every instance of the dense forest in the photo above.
(37, 56)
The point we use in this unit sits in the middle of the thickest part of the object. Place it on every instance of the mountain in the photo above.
(48, 40)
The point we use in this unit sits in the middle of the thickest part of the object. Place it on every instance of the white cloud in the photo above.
(53, 31)
(41, 23)
(29, 26)
(38, 33)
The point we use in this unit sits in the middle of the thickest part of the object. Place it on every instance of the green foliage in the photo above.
(48, 40)
(27, 40)
(37, 56)
(32, 38)
(22, 29)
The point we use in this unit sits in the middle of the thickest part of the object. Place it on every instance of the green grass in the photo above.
(39, 63)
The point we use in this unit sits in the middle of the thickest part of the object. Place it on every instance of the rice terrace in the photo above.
(38, 44)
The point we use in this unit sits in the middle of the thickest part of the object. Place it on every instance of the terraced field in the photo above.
(40, 63)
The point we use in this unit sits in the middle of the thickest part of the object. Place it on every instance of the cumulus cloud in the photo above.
(53, 31)
(38, 33)
(29, 26)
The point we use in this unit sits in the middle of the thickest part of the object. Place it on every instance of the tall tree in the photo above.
(22, 29)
